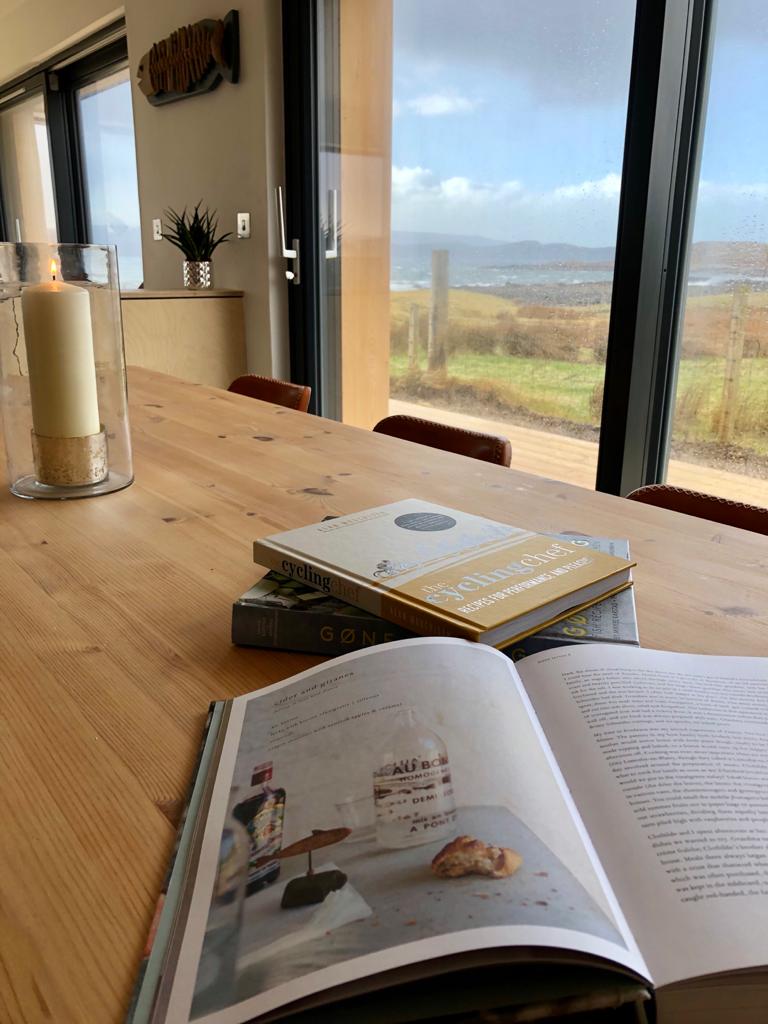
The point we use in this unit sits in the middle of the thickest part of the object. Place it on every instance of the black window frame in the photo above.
(11, 94)
(671, 59)
(58, 80)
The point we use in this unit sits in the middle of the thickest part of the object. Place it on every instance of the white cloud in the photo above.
(710, 190)
(608, 187)
(731, 211)
(457, 188)
(410, 180)
(437, 103)
(421, 183)
(585, 213)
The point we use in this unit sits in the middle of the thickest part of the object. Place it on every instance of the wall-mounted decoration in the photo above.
(192, 60)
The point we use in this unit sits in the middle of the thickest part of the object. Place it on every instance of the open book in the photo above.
(425, 828)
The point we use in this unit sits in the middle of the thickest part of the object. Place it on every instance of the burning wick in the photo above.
(54, 269)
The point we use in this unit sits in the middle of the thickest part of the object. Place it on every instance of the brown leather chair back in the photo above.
(269, 389)
(704, 506)
(488, 447)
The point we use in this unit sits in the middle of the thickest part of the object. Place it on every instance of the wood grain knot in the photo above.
(171, 809)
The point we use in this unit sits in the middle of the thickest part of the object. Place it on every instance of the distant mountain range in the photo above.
(411, 249)
(489, 252)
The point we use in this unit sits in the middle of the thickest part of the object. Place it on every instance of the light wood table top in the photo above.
(114, 637)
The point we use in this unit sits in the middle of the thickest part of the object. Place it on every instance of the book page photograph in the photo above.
(392, 807)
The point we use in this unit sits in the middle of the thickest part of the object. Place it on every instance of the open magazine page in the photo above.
(355, 778)
(666, 756)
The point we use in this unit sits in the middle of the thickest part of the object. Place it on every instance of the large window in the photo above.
(469, 162)
(719, 437)
(507, 143)
(108, 160)
(497, 215)
(67, 156)
(25, 171)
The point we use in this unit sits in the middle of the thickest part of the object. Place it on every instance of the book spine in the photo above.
(320, 577)
(409, 616)
(376, 600)
(141, 1008)
(291, 629)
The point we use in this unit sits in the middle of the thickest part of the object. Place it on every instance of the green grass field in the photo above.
(546, 387)
(571, 391)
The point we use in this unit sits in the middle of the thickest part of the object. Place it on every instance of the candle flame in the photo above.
(54, 269)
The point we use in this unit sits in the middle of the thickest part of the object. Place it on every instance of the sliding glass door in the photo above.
(507, 196)
(469, 171)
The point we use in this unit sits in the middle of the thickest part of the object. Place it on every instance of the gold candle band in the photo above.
(70, 461)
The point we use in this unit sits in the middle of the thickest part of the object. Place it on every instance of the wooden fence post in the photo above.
(413, 337)
(733, 357)
(438, 314)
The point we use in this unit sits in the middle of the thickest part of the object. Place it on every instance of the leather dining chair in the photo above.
(473, 443)
(704, 506)
(270, 389)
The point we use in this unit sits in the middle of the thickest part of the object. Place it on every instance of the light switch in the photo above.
(243, 225)
(157, 230)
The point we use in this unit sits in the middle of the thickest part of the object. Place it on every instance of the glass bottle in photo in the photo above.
(262, 813)
(218, 961)
(412, 787)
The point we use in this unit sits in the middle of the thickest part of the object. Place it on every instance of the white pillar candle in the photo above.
(62, 367)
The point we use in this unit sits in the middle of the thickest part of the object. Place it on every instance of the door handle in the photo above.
(292, 255)
(333, 212)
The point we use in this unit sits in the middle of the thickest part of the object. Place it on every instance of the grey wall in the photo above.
(225, 148)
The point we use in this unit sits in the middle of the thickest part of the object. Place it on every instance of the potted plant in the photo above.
(195, 234)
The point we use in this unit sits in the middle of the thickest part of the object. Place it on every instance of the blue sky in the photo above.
(509, 119)
(106, 126)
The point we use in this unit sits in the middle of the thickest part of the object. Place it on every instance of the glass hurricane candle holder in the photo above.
(63, 390)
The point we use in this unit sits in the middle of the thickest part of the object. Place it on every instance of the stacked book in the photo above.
(537, 591)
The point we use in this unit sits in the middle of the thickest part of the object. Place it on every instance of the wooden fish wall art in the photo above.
(192, 60)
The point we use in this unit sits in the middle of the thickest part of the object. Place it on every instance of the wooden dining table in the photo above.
(114, 638)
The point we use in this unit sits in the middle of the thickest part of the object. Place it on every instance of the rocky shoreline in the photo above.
(587, 293)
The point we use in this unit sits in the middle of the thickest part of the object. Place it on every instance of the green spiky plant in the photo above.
(194, 234)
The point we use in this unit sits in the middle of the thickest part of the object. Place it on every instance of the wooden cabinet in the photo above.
(198, 336)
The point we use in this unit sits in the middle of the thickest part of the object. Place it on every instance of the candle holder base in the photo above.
(69, 467)
(30, 487)
(70, 461)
